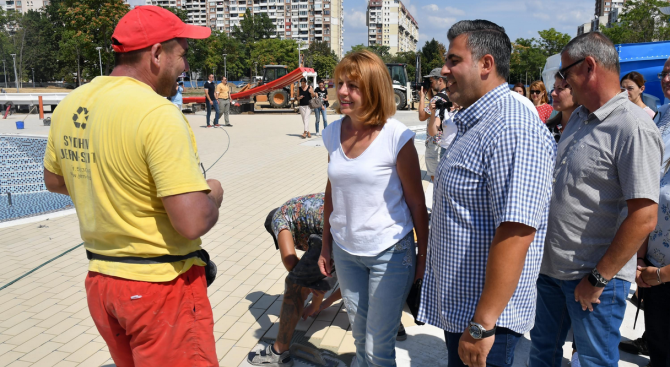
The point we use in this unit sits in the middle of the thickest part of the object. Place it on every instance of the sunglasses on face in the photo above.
(562, 73)
(663, 75)
(535, 92)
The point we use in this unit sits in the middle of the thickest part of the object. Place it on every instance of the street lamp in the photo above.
(16, 76)
(256, 69)
(100, 58)
(33, 69)
(225, 66)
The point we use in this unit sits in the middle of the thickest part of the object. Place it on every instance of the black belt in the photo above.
(148, 260)
(210, 268)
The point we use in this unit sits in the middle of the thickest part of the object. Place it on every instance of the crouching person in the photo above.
(298, 224)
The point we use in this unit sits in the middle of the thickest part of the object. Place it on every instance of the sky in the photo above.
(520, 18)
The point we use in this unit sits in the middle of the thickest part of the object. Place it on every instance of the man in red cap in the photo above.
(129, 160)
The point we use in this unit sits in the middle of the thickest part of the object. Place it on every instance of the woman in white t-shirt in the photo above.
(373, 199)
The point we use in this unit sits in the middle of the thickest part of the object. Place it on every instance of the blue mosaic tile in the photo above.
(21, 174)
(31, 204)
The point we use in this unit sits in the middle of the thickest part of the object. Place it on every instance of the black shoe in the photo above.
(637, 346)
(228, 125)
(402, 335)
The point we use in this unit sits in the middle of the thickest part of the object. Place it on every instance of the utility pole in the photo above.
(100, 58)
(33, 69)
(225, 66)
(4, 71)
(16, 76)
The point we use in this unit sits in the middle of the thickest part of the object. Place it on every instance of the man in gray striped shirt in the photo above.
(607, 162)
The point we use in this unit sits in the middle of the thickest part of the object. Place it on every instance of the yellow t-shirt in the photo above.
(121, 147)
(223, 91)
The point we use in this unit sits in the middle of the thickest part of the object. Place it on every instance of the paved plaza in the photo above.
(44, 319)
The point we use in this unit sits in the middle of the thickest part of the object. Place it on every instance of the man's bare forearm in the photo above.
(506, 260)
(629, 238)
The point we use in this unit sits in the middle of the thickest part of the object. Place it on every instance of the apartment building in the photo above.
(303, 20)
(390, 24)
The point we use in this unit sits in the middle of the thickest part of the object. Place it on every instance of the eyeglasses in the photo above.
(663, 75)
(561, 72)
(535, 92)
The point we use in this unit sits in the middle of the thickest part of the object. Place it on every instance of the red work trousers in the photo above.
(154, 324)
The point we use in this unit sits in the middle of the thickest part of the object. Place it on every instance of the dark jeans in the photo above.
(501, 354)
(657, 323)
(209, 111)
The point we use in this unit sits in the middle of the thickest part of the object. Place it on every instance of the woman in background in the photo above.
(633, 83)
(538, 94)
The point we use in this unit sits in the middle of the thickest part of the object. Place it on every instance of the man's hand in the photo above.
(432, 108)
(216, 192)
(473, 352)
(587, 295)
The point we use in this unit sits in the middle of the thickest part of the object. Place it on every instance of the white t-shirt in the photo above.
(526, 102)
(449, 129)
(369, 209)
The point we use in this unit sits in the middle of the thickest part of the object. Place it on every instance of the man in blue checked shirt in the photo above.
(491, 201)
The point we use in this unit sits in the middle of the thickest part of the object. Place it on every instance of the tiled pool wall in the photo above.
(21, 174)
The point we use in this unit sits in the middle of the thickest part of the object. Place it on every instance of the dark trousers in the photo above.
(501, 354)
(657, 323)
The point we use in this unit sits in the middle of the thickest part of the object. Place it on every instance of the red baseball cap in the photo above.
(147, 25)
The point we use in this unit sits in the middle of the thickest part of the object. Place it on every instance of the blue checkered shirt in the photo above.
(498, 169)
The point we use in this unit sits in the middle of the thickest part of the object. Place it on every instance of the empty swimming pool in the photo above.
(22, 190)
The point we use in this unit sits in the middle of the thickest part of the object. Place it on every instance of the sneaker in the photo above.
(228, 125)
(402, 335)
(268, 358)
(574, 361)
(209, 125)
(637, 346)
(216, 125)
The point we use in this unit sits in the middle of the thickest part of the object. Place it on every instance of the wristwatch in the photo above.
(597, 280)
(477, 331)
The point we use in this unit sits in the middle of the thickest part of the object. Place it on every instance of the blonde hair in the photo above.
(538, 85)
(374, 82)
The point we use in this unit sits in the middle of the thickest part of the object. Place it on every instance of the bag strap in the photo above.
(148, 260)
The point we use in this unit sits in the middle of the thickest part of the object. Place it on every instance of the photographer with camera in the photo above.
(435, 114)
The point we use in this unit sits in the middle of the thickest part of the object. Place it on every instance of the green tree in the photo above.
(253, 28)
(274, 51)
(93, 21)
(432, 56)
(321, 58)
(381, 50)
(526, 61)
(640, 21)
(552, 41)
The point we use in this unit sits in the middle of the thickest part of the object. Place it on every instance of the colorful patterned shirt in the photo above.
(303, 216)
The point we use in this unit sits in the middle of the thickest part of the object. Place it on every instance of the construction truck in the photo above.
(402, 88)
(278, 98)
